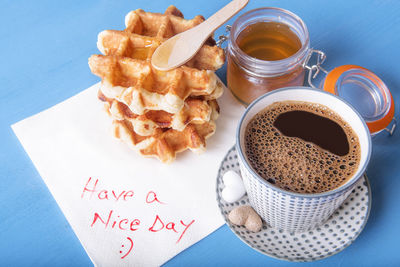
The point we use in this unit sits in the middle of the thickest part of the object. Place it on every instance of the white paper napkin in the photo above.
(142, 211)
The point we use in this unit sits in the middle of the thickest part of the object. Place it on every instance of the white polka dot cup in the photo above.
(289, 211)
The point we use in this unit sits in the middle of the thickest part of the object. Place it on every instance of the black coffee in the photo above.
(302, 147)
(314, 128)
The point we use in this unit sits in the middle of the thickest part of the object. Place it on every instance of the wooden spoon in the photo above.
(182, 47)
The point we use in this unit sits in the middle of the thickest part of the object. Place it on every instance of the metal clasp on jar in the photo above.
(314, 70)
(223, 38)
(391, 127)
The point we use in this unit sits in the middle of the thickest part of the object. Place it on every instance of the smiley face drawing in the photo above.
(129, 250)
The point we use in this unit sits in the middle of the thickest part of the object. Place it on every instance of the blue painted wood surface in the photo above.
(44, 47)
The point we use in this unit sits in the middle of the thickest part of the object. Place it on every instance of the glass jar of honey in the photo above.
(267, 48)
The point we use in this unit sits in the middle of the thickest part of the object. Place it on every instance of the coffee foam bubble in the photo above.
(292, 163)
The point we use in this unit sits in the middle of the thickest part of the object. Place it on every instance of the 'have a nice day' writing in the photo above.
(112, 220)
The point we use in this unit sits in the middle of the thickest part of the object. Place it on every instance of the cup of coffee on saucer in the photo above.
(301, 151)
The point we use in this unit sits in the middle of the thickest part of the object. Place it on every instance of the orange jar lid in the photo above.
(365, 91)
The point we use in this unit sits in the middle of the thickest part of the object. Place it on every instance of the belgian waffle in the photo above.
(164, 143)
(195, 111)
(141, 87)
(157, 113)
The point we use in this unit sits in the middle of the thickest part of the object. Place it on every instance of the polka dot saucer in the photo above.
(337, 233)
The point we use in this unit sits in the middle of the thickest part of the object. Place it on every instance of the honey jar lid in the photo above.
(365, 91)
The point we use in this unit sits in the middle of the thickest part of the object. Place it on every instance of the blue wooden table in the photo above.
(44, 47)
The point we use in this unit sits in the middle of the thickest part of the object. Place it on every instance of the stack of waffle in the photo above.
(157, 113)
